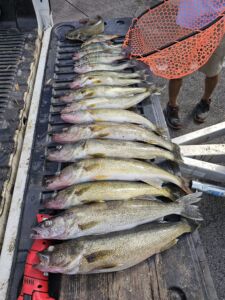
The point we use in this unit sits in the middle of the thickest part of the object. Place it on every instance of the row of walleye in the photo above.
(109, 192)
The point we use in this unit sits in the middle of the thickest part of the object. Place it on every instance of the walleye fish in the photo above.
(108, 148)
(91, 27)
(100, 191)
(89, 80)
(100, 102)
(112, 252)
(104, 67)
(115, 131)
(114, 74)
(98, 47)
(100, 58)
(110, 115)
(100, 38)
(111, 216)
(102, 91)
(101, 46)
(113, 169)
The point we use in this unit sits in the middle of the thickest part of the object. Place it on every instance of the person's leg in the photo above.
(174, 89)
(172, 109)
(202, 108)
(210, 84)
(212, 71)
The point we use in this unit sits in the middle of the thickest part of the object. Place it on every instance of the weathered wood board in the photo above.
(143, 281)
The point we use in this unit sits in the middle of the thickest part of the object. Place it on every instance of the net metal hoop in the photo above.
(137, 32)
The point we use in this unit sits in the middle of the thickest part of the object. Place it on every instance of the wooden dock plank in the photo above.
(143, 281)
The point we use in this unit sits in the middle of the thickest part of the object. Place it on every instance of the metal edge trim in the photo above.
(198, 134)
(8, 248)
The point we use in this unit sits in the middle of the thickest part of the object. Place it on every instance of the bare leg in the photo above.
(174, 89)
(210, 84)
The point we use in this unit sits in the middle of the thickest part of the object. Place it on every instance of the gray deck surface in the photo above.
(213, 209)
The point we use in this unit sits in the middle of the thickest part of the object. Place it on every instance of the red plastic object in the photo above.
(35, 282)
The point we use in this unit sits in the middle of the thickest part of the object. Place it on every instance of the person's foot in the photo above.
(201, 110)
(172, 117)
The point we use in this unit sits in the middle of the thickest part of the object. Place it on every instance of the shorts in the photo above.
(215, 64)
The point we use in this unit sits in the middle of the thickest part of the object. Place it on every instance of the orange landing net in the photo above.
(177, 37)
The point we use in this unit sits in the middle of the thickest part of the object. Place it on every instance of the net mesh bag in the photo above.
(177, 37)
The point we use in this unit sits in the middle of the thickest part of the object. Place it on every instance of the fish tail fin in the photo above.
(190, 224)
(135, 63)
(127, 48)
(160, 131)
(143, 75)
(167, 192)
(153, 89)
(177, 153)
(125, 52)
(184, 185)
(117, 36)
(190, 199)
(187, 209)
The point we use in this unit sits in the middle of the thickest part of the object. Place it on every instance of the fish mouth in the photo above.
(46, 268)
(59, 137)
(44, 258)
(67, 117)
(37, 233)
(41, 267)
(66, 110)
(53, 155)
(54, 183)
(45, 233)
(44, 261)
(56, 156)
(66, 98)
(49, 182)
(74, 85)
(52, 203)
(80, 70)
(76, 56)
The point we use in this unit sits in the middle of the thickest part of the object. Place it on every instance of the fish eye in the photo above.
(48, 223)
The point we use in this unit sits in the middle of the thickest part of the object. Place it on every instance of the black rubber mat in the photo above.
(16, 54)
